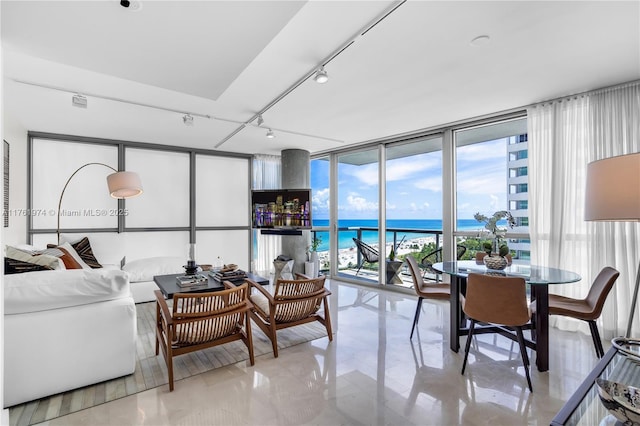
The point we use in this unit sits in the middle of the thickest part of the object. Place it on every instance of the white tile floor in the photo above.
(370, 374)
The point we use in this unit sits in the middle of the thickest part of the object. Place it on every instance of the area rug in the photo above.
(151, 370)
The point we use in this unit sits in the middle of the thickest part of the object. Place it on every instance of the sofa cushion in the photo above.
(43, 290)
(145, 269)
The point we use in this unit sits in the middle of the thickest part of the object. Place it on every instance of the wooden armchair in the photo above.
(202, 320)
(293, 302)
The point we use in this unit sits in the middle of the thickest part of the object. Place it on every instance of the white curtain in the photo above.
(564, 136)
(267, 171)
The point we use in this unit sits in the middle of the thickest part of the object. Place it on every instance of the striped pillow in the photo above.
(14, 266)
(83, 247)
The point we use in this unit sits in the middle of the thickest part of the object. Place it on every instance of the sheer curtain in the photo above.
(564, 136)
(267, 170)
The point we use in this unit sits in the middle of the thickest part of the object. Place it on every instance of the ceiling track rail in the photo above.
(161, 108)
(311, 72)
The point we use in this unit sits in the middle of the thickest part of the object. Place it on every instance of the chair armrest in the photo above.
(261, 289)
(164, 309)
(228, 285)
(300, 276)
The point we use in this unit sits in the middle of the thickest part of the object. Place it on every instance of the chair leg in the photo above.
(595, 335)
(327, 320)
(249, 338)
(468, 345)
(416, 317)
(525, 357)
(170, 367)
(359, 266)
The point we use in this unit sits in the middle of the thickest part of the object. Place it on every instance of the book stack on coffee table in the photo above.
(192, 280)
(229, 273)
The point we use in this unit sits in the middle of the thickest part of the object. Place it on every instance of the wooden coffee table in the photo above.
(169, 286)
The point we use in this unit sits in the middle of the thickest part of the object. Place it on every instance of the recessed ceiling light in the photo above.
(188, 120)
(270, 134)
(480, 40)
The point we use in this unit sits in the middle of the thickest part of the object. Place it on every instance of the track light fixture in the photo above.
(188, 120)
(321, 76)
(260, 120)
(79, 101)
(270, 134)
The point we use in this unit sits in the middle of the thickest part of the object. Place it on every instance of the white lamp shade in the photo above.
(124, 184)
(613, 189)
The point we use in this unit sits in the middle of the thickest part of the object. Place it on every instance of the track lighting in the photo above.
(79, 101)
(270, 134)
(321, 76)
(188, 120)
(260, 120)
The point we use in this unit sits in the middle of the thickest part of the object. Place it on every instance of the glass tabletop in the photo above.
(531, 273)
(585, 407)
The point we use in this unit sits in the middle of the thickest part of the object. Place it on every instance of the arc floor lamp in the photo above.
(121, 184)
(613, 194)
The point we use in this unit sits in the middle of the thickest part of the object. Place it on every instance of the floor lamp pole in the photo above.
(65, 187)
(633, 303)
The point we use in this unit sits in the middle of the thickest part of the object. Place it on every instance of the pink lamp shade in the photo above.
(124, 184)
(613, 189)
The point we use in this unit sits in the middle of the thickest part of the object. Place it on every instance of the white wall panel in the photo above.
(165, 179)
(142, 245)
(86, 202)
(222, 191)
(231, 246)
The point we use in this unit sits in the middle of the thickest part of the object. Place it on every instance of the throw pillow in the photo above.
(13, 266)
(67, 248)
(64, 255)
(83, 247)
(46, 260)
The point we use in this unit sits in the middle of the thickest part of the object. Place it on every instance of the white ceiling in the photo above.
(226, 61)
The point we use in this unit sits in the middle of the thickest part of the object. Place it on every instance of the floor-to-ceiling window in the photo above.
(423, 196)
(321, 213)
(358, 184)
(491, 176)
(413, 178)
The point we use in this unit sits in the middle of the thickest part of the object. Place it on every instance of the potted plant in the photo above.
(496, 252)
(313, 255)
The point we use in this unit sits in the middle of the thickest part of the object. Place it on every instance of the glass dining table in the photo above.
(539, 278)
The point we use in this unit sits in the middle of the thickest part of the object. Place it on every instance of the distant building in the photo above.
(518, 192)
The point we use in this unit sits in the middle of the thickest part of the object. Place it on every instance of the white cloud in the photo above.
(358, 203)
(405, 168)
(321, 199)
(431, 183)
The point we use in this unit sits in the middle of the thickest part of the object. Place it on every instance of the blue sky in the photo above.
(414, 185)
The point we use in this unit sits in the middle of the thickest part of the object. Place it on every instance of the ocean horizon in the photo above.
(345, 237)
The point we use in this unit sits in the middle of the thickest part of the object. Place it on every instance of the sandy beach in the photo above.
(351, 254)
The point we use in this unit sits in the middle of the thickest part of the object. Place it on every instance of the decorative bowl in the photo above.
(622, 401)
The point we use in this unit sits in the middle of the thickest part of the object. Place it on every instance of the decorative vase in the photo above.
(495, 262)
(316, 263)
(309, 269)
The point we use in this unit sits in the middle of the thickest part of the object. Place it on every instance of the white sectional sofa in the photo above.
(66, 329)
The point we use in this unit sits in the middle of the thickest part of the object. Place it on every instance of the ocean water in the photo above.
(371, 237)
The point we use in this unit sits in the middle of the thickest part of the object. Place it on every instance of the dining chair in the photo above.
(424, 290)
(293, 302)
(497, 300)
(588, 309)
(368, 253)
(201, 320)
(435, 256)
